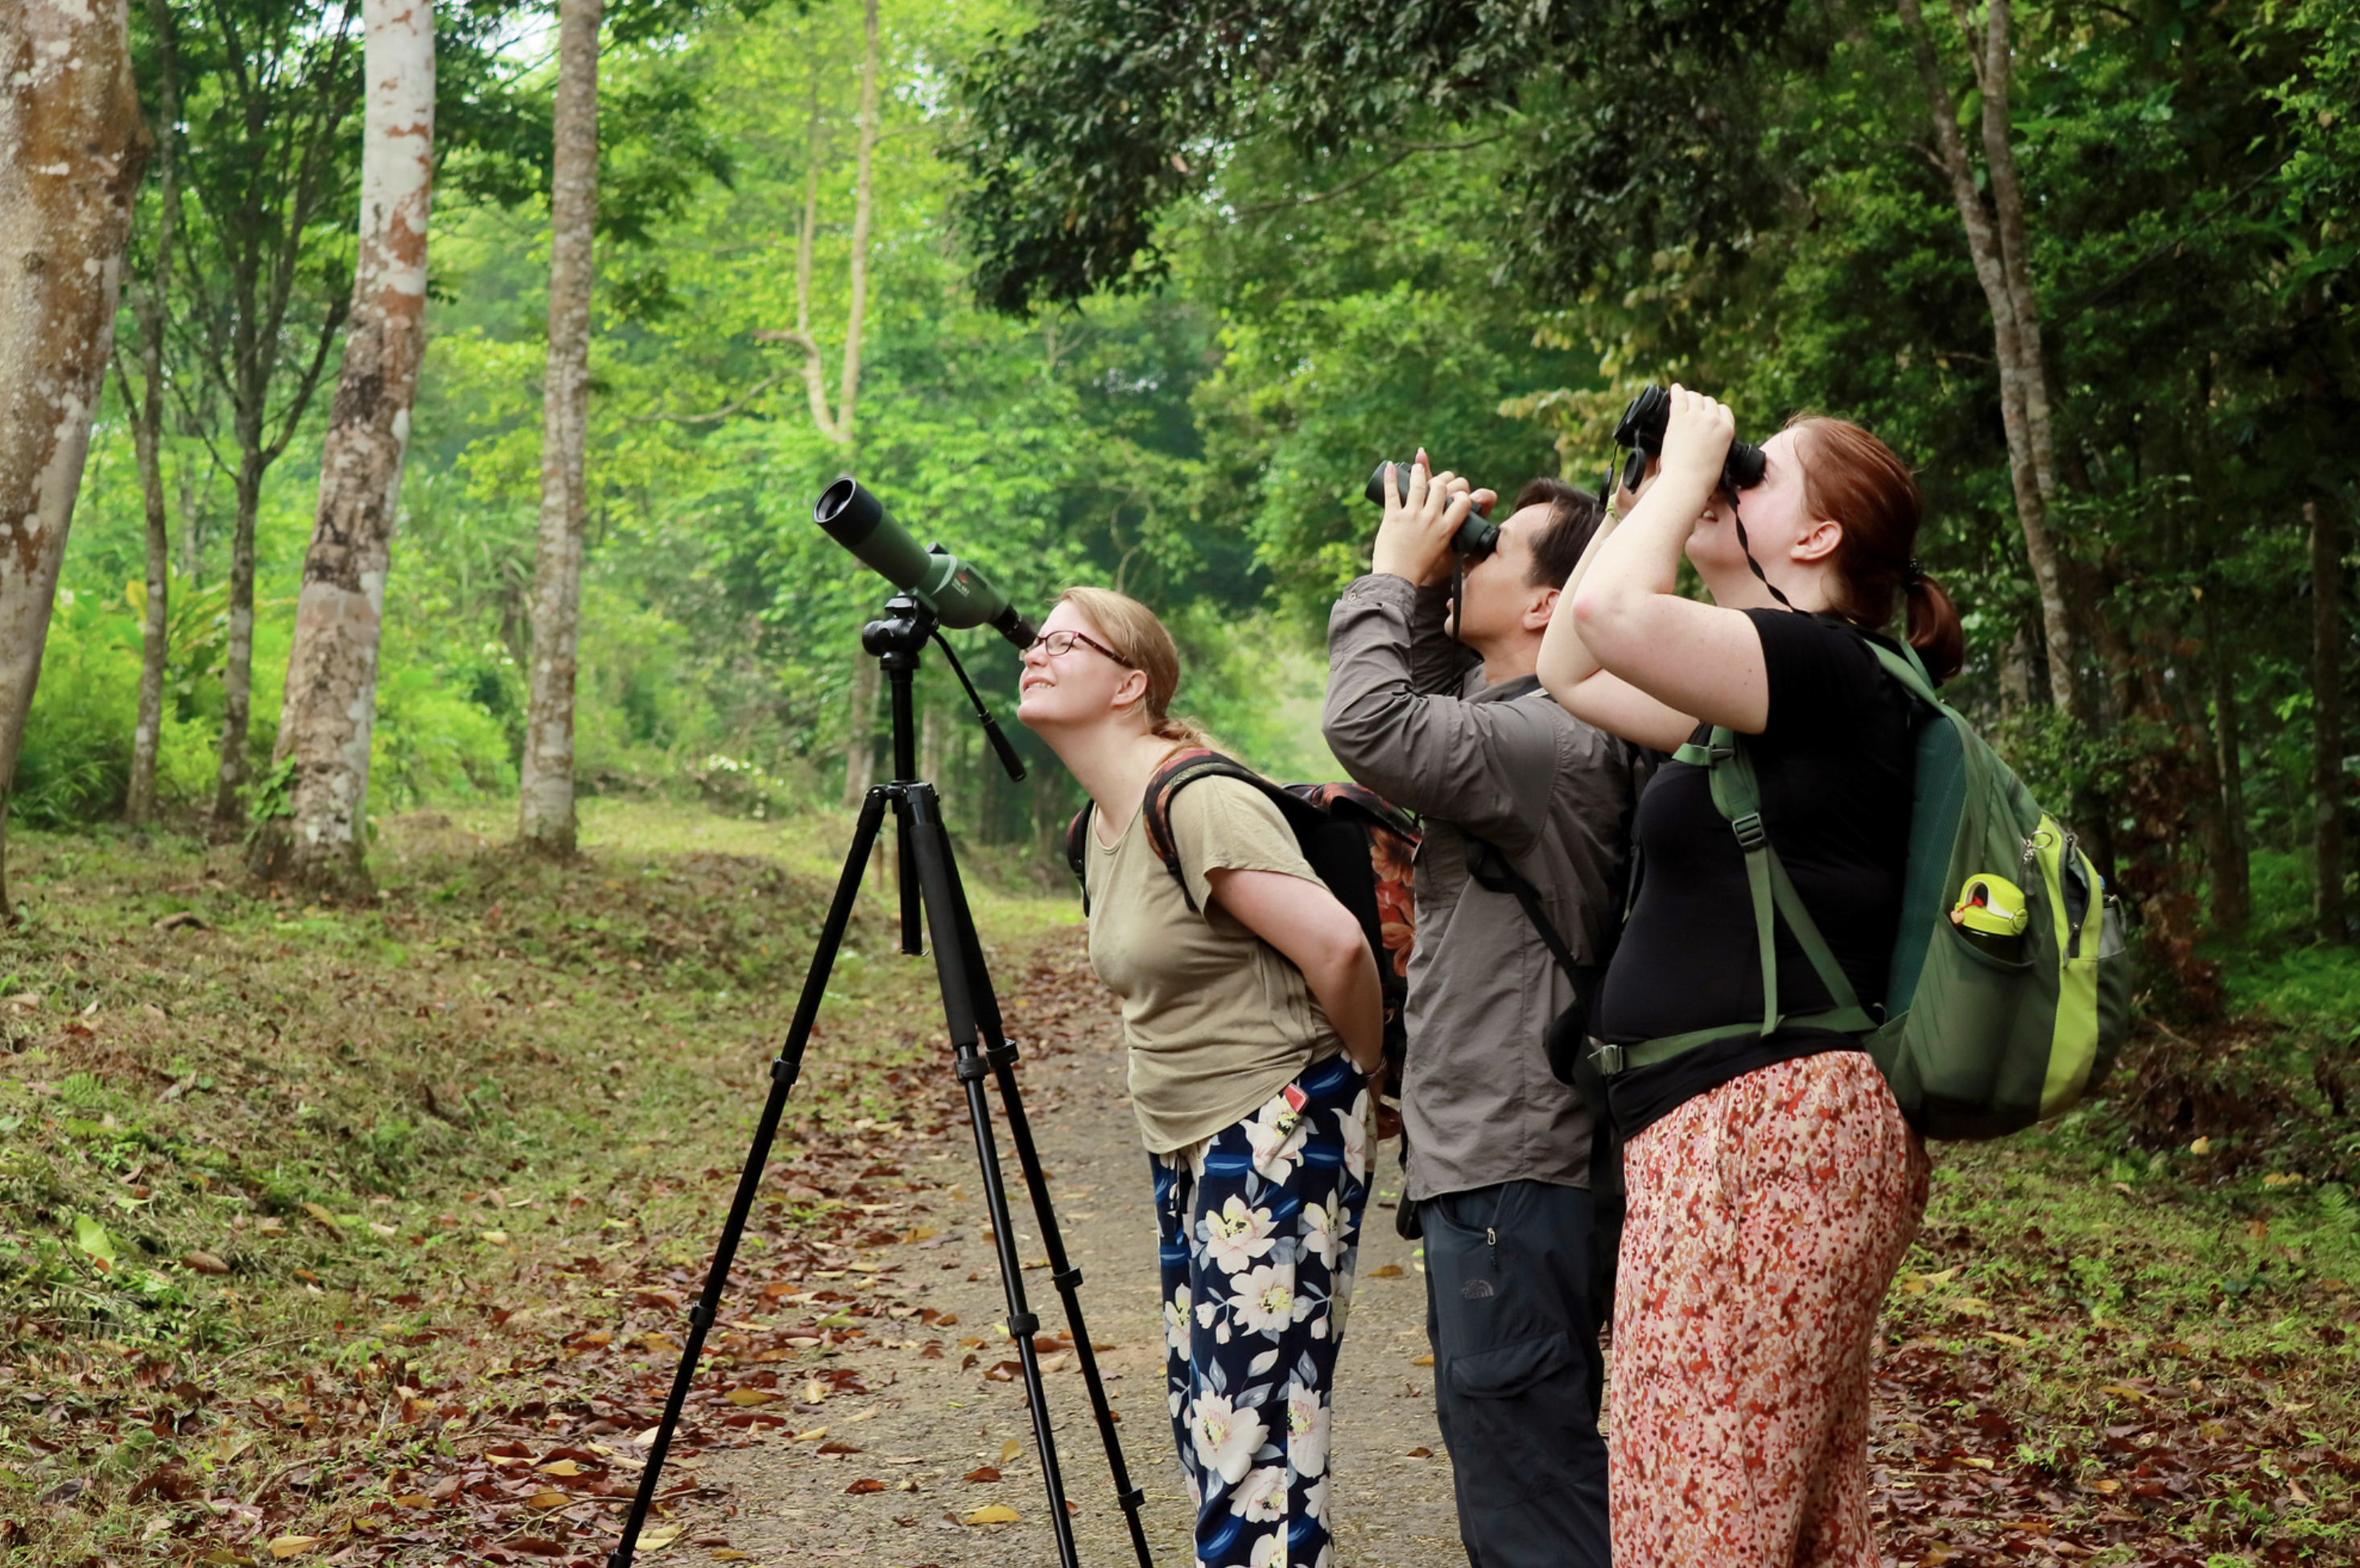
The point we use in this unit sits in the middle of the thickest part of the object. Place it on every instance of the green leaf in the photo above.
(92, 1242)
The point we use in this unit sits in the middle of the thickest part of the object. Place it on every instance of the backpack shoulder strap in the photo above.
(1078, 849)
(1181, 769)
(1490, 870)
(1737, 795)
(1907, 670)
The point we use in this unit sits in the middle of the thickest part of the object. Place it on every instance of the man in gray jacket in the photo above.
(1499, 1154)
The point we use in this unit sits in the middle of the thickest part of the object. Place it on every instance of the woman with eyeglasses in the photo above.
(1250, 1007)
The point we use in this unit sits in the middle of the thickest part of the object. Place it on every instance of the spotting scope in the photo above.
(957, 594)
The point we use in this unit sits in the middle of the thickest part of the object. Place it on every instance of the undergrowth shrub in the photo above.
(435, 738)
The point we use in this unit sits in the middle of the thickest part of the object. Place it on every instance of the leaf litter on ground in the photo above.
(458, 1351)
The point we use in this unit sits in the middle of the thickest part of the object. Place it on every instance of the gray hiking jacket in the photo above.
(1408, 717)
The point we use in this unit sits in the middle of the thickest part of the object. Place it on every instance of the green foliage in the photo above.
(77, 749)
(1455, 226)
(1085, 129)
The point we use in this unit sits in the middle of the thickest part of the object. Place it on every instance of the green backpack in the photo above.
(1978, 1036)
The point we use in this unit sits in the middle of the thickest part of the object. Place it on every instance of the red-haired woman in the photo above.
(1773, 1186)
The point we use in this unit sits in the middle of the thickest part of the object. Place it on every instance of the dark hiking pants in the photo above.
(1517, 1373)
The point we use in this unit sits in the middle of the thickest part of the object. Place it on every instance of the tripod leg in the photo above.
(783, 1073)
(930, 848)
(1063, 1273)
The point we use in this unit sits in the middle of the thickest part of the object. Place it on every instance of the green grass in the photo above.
(292, 1147)
(400, 1128)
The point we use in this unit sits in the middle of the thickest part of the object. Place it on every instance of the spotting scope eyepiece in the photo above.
(958, 595)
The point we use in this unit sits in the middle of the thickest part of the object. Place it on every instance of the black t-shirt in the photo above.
(1835, 764)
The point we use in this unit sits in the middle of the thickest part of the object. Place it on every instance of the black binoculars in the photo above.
(1642, 427)
(1477, 537)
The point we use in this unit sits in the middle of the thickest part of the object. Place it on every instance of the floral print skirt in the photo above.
(1258, 1225)
(1766, 1218)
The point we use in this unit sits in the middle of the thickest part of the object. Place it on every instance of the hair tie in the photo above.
(1912, 572)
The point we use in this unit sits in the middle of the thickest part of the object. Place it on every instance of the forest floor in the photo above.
(363, 1235)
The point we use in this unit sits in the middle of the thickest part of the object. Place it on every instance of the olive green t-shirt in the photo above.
(1218, 1021)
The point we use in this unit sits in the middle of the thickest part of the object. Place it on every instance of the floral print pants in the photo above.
(1766, 1218)
(1258, 1225)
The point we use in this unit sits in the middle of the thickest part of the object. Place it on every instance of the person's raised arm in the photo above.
(1318, 935)
(1697, 660)
(1565, 660)
(1570, 673)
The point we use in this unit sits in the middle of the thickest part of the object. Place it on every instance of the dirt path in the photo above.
(941, 1419)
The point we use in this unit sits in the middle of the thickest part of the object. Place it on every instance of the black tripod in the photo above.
(929, 883)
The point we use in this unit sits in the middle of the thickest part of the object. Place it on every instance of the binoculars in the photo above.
(1641, 428)
(1477, 537)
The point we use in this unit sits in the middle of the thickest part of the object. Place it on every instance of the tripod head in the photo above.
(896, 638)
(901, 633)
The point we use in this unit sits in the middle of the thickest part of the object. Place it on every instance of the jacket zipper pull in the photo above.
(1491, 1239)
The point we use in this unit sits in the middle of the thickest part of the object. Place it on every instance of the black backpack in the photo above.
(1359, 844)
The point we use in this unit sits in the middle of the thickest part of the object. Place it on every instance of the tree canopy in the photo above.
(1151, 285)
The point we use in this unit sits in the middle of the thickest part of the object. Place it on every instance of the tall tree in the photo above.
(72, 145)
(545, 809)
(323, 757)
(2328, 789)
(1991, 209)
(269, 165)
(841, 426)
(147, 406)
(838, 427)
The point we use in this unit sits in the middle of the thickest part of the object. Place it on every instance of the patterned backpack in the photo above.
(1359, 844)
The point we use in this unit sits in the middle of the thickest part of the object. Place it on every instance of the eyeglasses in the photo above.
(1057, 645)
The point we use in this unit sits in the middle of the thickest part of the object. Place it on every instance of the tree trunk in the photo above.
(847, 393)
(2233, 878)
(193, 543)
(2326, 720)
(545, 807)
(324, 727)
(237, 657)
(860, 748)
(2015, 675)
(291, 95)
(1996, 248)
(71, 147)
(814, 376)
(147, 427)
(860, 763)
(147, 432)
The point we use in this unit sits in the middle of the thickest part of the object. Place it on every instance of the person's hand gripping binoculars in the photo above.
(1423, 520)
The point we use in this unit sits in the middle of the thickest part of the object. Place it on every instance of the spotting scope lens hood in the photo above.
(955, 593)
